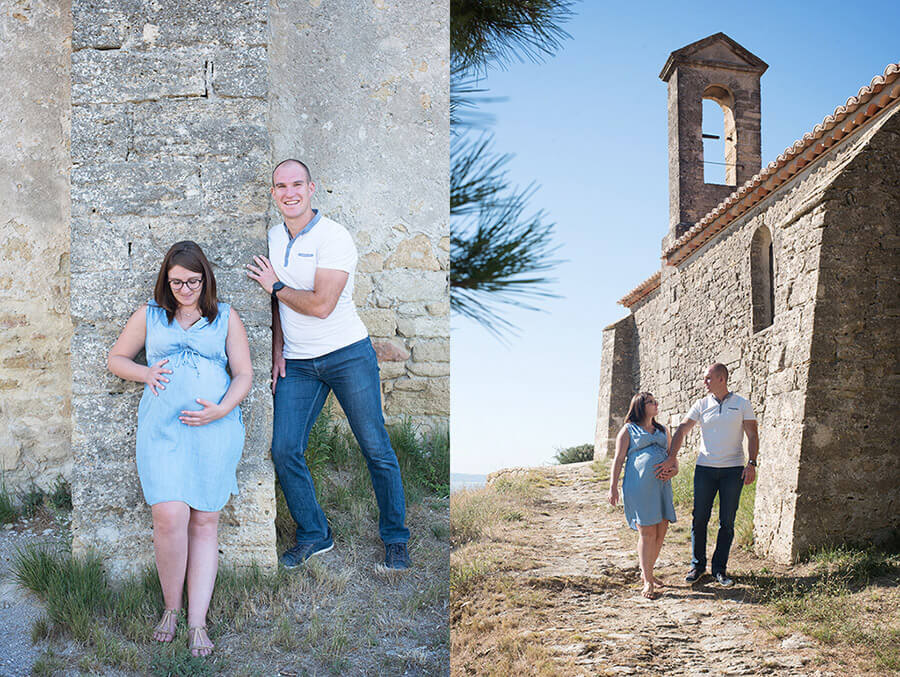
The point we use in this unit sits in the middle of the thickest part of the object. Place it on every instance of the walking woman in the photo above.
(190, 433)
(640, 445)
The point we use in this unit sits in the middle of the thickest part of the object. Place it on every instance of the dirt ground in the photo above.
(567, 597)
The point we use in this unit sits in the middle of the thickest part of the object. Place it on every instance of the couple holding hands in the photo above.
(190, 432)
(649, 455)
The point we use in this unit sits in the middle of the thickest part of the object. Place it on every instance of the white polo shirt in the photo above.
(722, 429)
(323, 243)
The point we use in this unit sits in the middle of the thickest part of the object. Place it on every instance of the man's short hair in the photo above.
(720, 369)
(296, 162)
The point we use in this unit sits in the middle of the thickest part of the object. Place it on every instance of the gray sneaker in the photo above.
(723, 580)
(396, 556)
(303, 551)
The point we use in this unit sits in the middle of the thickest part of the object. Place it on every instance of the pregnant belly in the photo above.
(190, 380)
(645, 459)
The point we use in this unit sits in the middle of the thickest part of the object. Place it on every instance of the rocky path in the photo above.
(604, 625)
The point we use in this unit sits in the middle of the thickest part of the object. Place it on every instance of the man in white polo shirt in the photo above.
(319, 345)
(724, 419)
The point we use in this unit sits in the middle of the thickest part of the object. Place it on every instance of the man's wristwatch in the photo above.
(277, 287)
(752, 462)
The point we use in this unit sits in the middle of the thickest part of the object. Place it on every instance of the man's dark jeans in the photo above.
(352, 373)
(707, 482)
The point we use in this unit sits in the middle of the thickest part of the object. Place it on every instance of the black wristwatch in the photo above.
(752, 462)
(277, 287)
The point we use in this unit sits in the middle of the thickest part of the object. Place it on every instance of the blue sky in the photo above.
(589, 126)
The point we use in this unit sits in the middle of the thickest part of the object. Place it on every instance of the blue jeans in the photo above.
(707, 481)
(352, 373)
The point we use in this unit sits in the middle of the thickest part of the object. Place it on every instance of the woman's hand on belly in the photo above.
(210, 412)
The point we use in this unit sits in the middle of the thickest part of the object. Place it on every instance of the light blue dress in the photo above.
(178, 462)
(647, 499)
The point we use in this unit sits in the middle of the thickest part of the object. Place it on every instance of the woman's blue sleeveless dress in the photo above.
(178, 462)
(647, 499)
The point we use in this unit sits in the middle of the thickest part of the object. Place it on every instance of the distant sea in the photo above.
(459, 480)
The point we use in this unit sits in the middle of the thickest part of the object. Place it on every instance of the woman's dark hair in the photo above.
(638, 410)
(186, 254)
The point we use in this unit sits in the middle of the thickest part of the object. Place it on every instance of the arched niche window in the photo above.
(719, 137)
(762, 279)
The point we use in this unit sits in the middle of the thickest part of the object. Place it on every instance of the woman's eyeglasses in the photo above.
(193, 284)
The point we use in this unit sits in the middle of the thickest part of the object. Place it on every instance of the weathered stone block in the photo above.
(167, 23)
(430, 368)
(236, 185)
(91, 343)
(109, 296)
(408, 285)
(391, 370)
(117, 76)
(413, 253)
(390, 350)
(240, 73)
(423, 326)
(200, 127)
(434, 350)
(150, 188)
(379, 321)
(100, 132)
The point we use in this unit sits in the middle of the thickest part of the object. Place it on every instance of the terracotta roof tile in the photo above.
(641, 290)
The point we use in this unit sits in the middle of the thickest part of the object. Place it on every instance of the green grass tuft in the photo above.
(32, 500)
(8, 512)
(60, 497)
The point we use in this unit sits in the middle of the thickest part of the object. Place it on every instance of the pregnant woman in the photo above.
(640, 445)
(190, 434)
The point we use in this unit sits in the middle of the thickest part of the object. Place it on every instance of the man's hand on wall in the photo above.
(262, 272)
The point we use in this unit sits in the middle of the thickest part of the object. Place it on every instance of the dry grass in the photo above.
(342, 613)
(493, 615)
(844, 598)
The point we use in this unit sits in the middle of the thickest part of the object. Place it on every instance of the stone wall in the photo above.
(169, 142)
(360, 91)
(702, 313)
(174, 129)
(849, 456)
(616, 384)
(35, 329)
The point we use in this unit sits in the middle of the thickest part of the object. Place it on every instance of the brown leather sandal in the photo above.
(167, 625)
(199, 641)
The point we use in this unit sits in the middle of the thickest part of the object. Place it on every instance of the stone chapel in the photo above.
(788, 275)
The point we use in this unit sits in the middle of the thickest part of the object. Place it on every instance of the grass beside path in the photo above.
(343, 613)
(487, 606)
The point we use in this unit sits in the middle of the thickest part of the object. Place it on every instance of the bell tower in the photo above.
(715, 68)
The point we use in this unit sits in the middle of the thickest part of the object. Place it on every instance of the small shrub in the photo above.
(577, 454)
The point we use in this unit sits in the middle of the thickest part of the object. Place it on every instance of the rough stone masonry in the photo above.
(791, 282)
(178, 112)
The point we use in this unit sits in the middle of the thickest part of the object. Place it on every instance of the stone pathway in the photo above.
(699, 630)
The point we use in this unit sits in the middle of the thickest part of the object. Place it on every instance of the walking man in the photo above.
(319, 345)
(724, 418)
